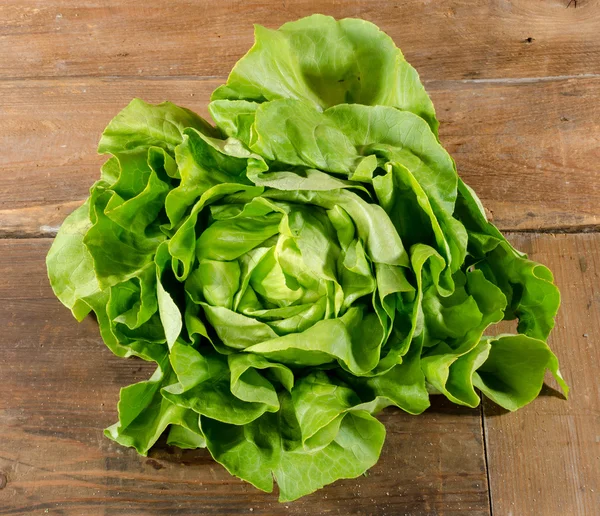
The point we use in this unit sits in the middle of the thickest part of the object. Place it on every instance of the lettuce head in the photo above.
(310, 259)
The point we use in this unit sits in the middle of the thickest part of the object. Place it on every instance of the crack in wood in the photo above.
(50, 232)
(485, 457)
(527, 80)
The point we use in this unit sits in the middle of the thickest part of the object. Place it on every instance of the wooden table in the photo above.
(517, 89)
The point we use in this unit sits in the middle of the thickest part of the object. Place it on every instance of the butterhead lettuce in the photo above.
(304, 263)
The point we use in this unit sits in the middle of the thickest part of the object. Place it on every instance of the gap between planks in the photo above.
(201, 78)
(51, 231)
(485, 456)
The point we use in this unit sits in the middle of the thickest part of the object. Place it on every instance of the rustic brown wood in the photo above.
(445, 39)
(530, 149)
(544, 459)
(60, 388)
(35, 221)
(515, 85)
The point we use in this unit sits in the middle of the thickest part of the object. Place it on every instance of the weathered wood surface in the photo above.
(445, 39)
(545, 458)
(515, 85)
(63, 385)
(60, 388)
(531, 150)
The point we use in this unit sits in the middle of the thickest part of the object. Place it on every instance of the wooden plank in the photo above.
(529, 149)
(544, 459)
(52, 129)
(446, 39)
(60, 388)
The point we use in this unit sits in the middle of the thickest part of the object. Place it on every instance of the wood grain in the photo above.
(515, 86)
(530, 149)
(545, 458)
(445, 39)
(60, 388)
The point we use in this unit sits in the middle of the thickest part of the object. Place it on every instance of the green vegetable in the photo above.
(307, 262)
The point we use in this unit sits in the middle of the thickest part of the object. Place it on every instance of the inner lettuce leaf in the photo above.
(304, 263)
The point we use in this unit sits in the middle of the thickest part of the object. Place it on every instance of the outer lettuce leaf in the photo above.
(141, 126)
(327, 62)
(531, 294)
(70, 265)
(513, 374)
(144, 414)
(307, 262)
(303, 450)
